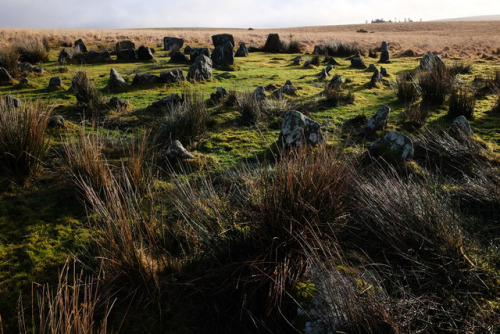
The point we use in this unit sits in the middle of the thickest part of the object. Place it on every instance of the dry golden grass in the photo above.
(451, 39)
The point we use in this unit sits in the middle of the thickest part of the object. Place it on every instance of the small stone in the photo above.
(378, 121)
(115, 79)
(297, 60)
(270, 87)
(318, 50)
(307, 63)
(172, 76)
(187, 50)
(56, 121)
(126, 55)
(383, 71)
(357, 62)
(144, 79)
(287, 89)
(65, 56)
(95, 57)
(178, 57)
(372, 68)
(24, 81)
(167, 101)
(55, 82)
(461, 126)
(177, 151)
(394, 143)
(5, 77)
(12, 101)
(242, 51)
(324, 74)
(332, 61)
(219, 94)
(376, 77)
(260, 93)
(336, 82)
(116, 102)
(223, 55)
(195, 52)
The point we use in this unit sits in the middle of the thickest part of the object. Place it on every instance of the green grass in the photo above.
(43, 222)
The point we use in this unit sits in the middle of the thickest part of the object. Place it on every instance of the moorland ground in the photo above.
(243, 234)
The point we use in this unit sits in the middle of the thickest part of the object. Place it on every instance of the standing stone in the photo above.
(115, 79)
(377, 121)
(324, 74)
(329, 68)
(318, 50)
(187, 50)
(332, 61)
(372, 68)
(124, 45)
(65, 56)
(223, 55)
(172, 43)
(5, 77)
(221, 40)
(273, 44)
(177, 151)
(384, 53)
(307, 63)
(116, 102)
(376, 77)
(12, 101)
(79, 45)
(219, 94)
(144, 53)
(242, 51)
(172, 76)
(126, 55)
(287, 89)
(195, 52)
(178, 57)
(383, 71)
(56, 121)
(55, 82)
(298, 129)
(336, 82)
(297, 60)
(461, 126)
(430, 61)
(96, 57)
(394, 144)
(201, 69)
(259, 93)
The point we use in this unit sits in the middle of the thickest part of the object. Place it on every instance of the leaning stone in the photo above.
(5, 77)
(144, 79)
(124, 45)
(115, 79)
(384, 53)
(126, 55)
(221, 40)
(195, 52)
(324, 74)
(65, 56)
(376, 77)
(172, 43)
(273, 44)
(223, 55)
(177, 151)
(201, 69)
(378, 121)
(56, 121)
(219, 94)
(12, 101)
(55, 82)
(144, 53)
(336, 82)
(260, 93)
(298, 129)
(394, 144)
(178, 57)
(242, 51)
(383, 71)
(329, 68)
(461, 126)
(80, 45)
(332, 61)
(172, 76)
(167, 101)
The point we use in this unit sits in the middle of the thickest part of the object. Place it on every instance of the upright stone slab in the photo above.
(5, 77)
(242, 51)
(115, 79)
(378, 121)
(273, 44)
(461, 127)
(430, 61)
(223, 55)
(201, 69)
(221, 40)
(172, 76)
(124, 45)
(195, 52)
(144, 53)
(126, 55)
(172, 43)
(384, 53)
(79, 45)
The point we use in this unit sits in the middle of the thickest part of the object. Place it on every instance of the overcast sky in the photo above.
(228, 13)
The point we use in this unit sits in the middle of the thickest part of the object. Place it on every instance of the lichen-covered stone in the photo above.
(177, 151)
(172, 76)
(201, 69)
(124, 45)
(144, 79)
(195, 52)
(167, 101)
(430, 61)
(461, 126)
(378, 121)
(55, 82)
(394, 145)
(260, 93)
(115, 79)
(297, 129)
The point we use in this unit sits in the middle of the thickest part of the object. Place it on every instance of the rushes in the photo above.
(23, 141)
(462, 102)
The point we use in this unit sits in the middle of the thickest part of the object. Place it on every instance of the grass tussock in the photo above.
(342, 49)
(462, 102)
(32, 51)
(434, 85)
(86, 93)
(292, 46)
(406, 89)
(249, 107)
(414, 114)
(9, 59)
(337, 96)
(23, 140)
(460, 67)
(186, 121)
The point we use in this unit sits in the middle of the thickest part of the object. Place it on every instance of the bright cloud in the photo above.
(227, 13)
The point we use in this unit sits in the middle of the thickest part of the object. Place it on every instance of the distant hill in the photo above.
(475, 18)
